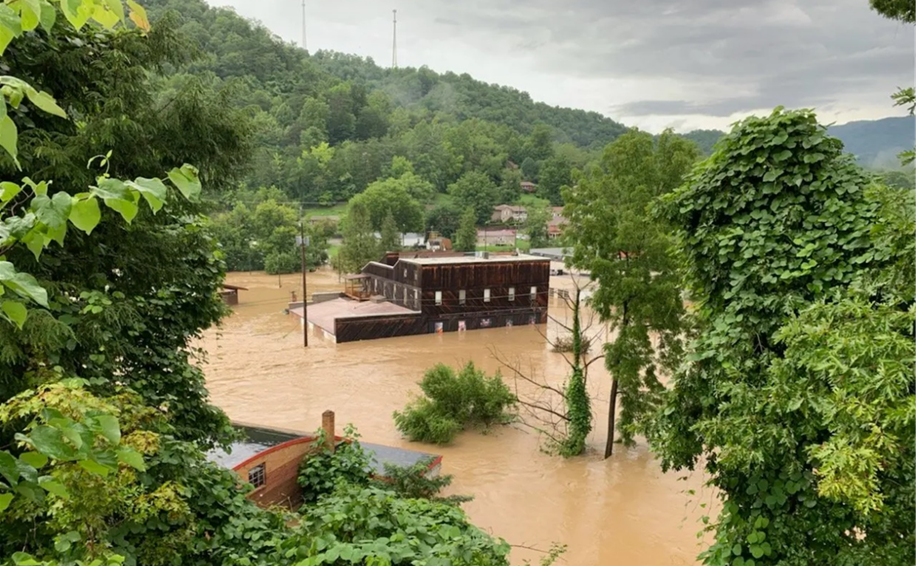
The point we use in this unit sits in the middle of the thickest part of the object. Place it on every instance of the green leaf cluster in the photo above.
(453, 402)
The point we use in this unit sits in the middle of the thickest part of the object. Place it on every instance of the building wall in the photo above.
(475, 278)
(282, 467)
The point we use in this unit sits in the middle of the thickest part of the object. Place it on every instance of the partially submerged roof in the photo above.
(520, 258)
(323, 314)
(258, 439)
(229, 287)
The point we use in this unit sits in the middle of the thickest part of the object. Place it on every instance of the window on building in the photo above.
(405, 273)
(511, 293)
(534, 294)
(486, 295)
(462, 297)
(438, 297)
(257, 476)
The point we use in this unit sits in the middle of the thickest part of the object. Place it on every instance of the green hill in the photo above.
(446, 125)
(875, 143)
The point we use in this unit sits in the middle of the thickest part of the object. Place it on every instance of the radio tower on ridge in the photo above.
(304, 44)
(394, 40)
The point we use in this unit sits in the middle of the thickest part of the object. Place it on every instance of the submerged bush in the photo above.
(416, 482)
(454, 402)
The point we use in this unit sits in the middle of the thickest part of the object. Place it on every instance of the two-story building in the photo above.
(419, 293)
(508, 213)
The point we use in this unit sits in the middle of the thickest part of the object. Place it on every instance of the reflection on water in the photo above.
(618, 511)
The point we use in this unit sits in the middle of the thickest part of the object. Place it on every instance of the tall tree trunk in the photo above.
(611, 417)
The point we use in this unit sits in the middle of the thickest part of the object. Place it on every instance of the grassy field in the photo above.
(523, 245)
(531, 200)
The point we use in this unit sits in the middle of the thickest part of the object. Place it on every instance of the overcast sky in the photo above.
(684, 64)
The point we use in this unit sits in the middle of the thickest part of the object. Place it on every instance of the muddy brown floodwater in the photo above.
(623, 510)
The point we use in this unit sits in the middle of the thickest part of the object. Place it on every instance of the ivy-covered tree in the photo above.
(798, 391)
(613, 237)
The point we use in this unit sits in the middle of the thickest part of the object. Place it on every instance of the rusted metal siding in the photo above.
(352, 329)
(509, 285)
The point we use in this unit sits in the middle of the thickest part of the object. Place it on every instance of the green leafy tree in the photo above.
(536, 225)
(453, 402)
(359, 244)
(477, 191)
(613, 237)
(391, 197)
(466, 235)
(798, 389)
(530, 169)
(539, 145)
(555, 174)
(444, 219)
(124, 304)
(390, 240)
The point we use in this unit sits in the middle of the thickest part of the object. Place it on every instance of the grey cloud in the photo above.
(712, 57)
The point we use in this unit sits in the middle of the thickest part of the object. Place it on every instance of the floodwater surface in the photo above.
(623, 510)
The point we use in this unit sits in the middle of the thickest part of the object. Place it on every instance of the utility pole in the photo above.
(305, 319)
(394, 40)
(304, 44)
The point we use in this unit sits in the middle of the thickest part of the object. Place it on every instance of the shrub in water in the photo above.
(454, 402)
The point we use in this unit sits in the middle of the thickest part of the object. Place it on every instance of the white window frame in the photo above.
(511, 293)
(486, 295)
(462, 297)
(534, 294)
(438, 297)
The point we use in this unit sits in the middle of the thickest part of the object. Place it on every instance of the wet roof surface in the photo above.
(260, 439)
(471, 259)
(323, 314)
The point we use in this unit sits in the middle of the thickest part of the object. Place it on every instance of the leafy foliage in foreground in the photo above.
(323, 469)
(799, 391)
(453, 402)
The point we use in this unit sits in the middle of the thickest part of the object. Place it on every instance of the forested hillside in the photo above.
(326, 126)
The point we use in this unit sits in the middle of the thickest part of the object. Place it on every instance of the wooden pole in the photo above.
(305, 319)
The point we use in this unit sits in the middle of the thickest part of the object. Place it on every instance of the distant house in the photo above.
(509, 213)
(496, 237)
(556, 224)
(528, 187)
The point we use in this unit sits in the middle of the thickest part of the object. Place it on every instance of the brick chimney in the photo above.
(327, 425)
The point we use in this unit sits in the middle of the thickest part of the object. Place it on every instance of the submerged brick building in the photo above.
(418, 293)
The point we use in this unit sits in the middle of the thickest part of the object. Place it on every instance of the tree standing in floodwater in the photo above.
(612, 235)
